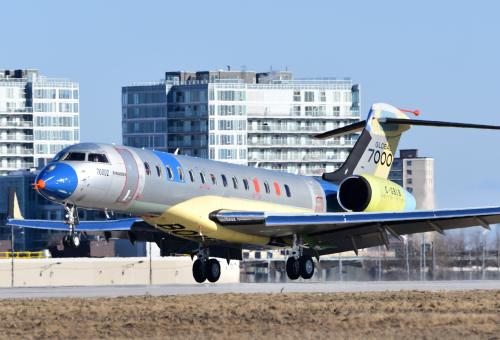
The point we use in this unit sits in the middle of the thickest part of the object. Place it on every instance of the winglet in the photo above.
(14, 209)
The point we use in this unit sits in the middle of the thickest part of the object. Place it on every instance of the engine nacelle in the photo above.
(370, 193)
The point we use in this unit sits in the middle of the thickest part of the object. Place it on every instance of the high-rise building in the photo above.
(249, 118)
(39, 116)
(416, 175)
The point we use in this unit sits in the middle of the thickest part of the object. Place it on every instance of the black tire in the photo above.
(213, 270)
(65, 241)
(306, 267)
(292, 268)
(74, 240)
(200, 271)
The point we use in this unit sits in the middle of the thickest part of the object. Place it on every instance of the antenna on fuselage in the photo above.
(176, 152)
(257, 164)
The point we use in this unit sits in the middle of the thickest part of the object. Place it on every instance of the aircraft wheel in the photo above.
(306, 267)
(293, 268)
(74, 240)
(213, 270)
(65, 241)
(200, 271)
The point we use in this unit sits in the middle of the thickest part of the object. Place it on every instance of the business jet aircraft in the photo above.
(213, 209)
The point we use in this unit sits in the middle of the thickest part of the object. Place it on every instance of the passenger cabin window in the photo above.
(214, 180)
(158, 171)
(277, 189)
(224, 180)
(245, 184)
(75, 156)
(181, 174)
(266, 187)
(191, 176)
(147, 168)
(202, 177)
(256, 185)
(235, 182)
(170, 173)
(287, 190)
(98, 158)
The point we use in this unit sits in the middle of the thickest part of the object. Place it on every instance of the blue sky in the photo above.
(442, 57)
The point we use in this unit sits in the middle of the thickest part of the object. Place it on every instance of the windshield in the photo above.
(75, 156)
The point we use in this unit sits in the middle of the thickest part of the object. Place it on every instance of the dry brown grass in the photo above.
(388, 315)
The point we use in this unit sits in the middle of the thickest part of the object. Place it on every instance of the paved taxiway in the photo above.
(299, 287)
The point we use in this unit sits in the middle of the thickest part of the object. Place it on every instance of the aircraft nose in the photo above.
(56, 181)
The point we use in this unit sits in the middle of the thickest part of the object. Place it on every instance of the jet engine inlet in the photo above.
(354, 194)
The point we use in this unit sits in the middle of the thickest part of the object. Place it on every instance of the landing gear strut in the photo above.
(71, 219)
(298, 264)
(205, 268)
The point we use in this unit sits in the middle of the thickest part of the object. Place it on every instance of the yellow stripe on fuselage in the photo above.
(193, 215)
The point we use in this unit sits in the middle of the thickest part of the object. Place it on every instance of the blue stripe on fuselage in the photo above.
(328, 187)
(170, 161)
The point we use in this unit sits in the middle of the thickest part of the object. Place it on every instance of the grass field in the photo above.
(392, 315)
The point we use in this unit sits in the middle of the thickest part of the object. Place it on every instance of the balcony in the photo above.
(301, 145)
(11, 166)
(16, 124)
(16, 152)
(16, 138)
(291, 158)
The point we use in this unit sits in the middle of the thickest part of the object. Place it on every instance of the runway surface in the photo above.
(299, 287)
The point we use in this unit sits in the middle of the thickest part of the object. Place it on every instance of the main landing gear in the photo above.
(72, 239)
(205, 268)
(299, 265)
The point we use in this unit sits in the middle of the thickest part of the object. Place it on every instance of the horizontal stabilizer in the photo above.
(352, 128)
(107, 225)
(398, 121)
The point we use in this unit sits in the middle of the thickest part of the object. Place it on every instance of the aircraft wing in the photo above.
(106, 225)
(337, 232)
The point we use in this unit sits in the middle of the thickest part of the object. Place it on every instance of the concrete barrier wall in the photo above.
(106, 271)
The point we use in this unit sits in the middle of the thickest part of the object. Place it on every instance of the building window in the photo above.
(147, 168)
(266, 187)
(235, 182)
(181, 174)
(191, 176)
(158, 171)
(296, 96)
(170, 173)
(245, 184)
(308, 96)
(322, 96)
(224, 180)
(287, 190)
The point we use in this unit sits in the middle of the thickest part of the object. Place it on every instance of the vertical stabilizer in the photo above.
(373, 153)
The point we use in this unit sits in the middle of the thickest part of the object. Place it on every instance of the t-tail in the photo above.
(373, 153)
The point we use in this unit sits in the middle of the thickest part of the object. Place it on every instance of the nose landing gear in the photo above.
(72, 239)
(205, 268)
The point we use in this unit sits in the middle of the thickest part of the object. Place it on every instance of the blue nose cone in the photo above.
(57, 181)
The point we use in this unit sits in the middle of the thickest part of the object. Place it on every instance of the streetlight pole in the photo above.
(12, 256)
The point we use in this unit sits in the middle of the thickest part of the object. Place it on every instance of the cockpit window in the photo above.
(98, 158)
(75, 156)
(59, 155)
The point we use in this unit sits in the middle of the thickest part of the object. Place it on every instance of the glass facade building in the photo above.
(255, 119)
(39, 116)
